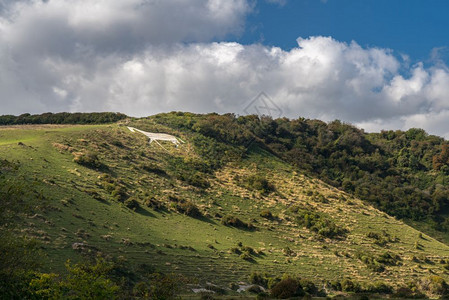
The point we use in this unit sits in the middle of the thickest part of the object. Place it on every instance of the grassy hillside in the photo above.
(210, 210)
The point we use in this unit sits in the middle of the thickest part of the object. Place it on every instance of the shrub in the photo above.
(406, 292)
(131, 203)
(288, 252)
(388, 258)
(87, 159)
(381, 239)
(380, 288)
(246, 256)
(119, 193)
(236, 222)
(189, 209)
(287, 288)
(153, 203)
(248, 250)
(83, 281)
(266, 214)
(164, 286)
(259, 279)
(236, 250)
(370, 262)
(258, 183)
(319, 223)
(310, 288)
(255, 289)
(196, 179)
(435, 285)
(347, 285)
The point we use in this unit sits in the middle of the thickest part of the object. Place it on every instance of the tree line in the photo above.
(62, 118)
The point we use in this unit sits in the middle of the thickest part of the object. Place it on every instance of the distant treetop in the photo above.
(62, 118)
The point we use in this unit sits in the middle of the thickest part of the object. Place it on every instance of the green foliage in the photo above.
(319, 223)
(119, 193)
(159, 286)
(236, 222)
(435, 285)
(390, 169)
(132, 203)
(19, 255)
(379, 287)
(87, 159)
(348, 285)
(377, 264)
(287, 288)
(192, 172)
(132, 174)
(259, 279)
(266, 214)
(85, 281)
(62, 118)
(257, 183)
(154, 203)
(381, 239)
(189, 209)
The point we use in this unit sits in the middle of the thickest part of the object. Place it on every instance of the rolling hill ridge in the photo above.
(233, 204)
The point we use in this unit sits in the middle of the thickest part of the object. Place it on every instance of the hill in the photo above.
(230, 205)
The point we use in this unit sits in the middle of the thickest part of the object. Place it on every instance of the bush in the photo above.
(406, 292)
(153, 203)
(258, 183)
(236, 222)
(119, 192)
(246, 256)
(83, 281)
(255, 289)
(189, 209)
(131, 203)
(248, 250)
(62, 118)
(287, 288)
(380, 288)
(266, 214)
(435, 285)
(319, 223)
(236, 250)
(370, 261)
(348, 285)
(87, 159)
(259, 279)
(159, 286)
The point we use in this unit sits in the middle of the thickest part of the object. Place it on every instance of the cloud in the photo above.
(110, 56)
(64, 26)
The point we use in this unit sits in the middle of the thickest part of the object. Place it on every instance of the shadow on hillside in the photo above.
(144, 212)
(206, 220)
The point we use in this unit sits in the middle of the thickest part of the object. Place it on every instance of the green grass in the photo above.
(64, 193)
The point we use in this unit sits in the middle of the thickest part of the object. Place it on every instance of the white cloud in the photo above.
(144, 57)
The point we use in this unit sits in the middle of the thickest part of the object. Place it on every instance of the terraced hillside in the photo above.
(211, 211)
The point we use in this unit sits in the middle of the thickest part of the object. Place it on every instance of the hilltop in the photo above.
(243, 200)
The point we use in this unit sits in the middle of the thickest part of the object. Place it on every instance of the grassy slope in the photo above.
(63, 190)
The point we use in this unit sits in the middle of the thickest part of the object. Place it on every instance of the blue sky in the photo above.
(376, 64)
(411, 27)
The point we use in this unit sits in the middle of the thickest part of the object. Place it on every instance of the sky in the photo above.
(376, 64)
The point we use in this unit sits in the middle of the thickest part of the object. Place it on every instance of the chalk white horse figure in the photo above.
(159, 137)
